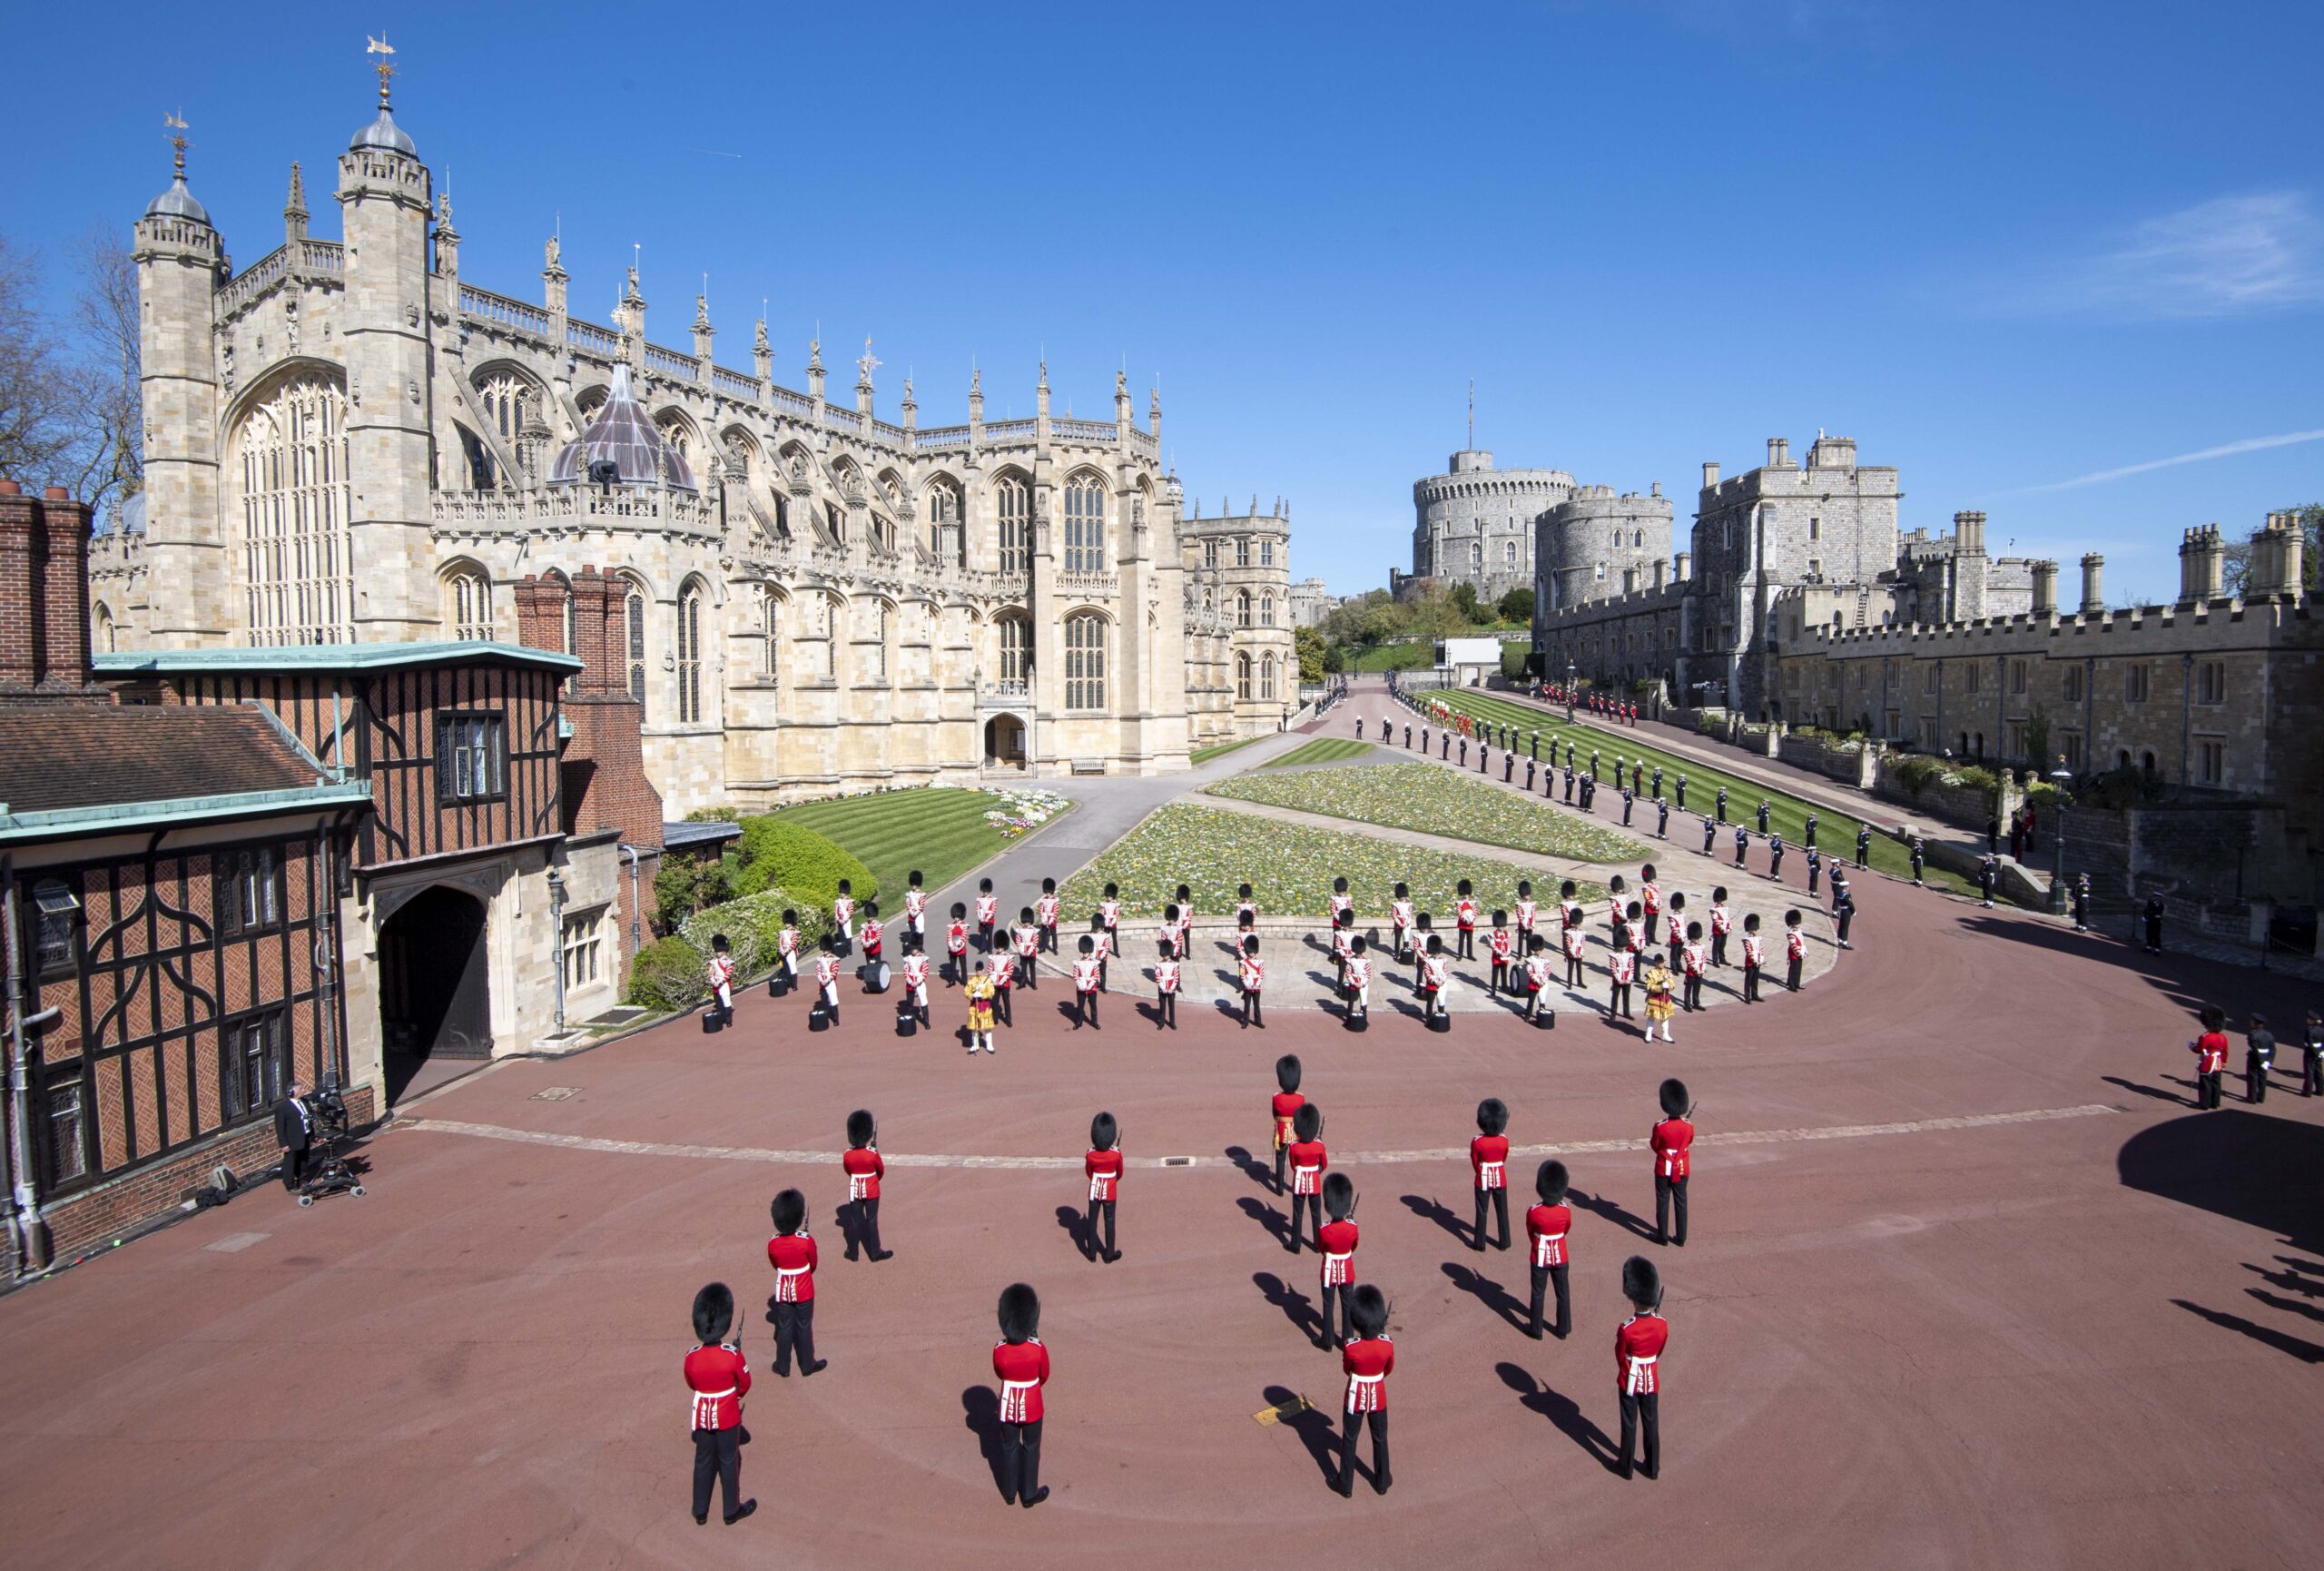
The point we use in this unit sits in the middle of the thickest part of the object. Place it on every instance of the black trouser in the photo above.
(1740, 847)
(1693, 994)
(1719, 950)
(1791, 974)
(2154, 932)
(864, 1230)
(1312, 1206)
(1020, 1462)
(1468, 950)
(1670, 1195)
(984, 936)
(2255, 1079)
(1000, 1010)
(294, 1166)
(1863, 854)
(1097, 1208)
(2207, 1088)
(1431, 1003)
(1532, 1003)
(718, 1454)
(1501, 1212)
(1711, 839)
(1029, 967)
(1500, 978)
(1775, 865)
(795, 1327)
(1573, 972)
(1751, 984)
(2312, 1074)
(1813, 870)
(1544, 1277)
(1847, 915)
(1916, 869)
(1651, 918)
(1350, 1425)
(1166, 1011)
(1633, 1408)
(1342, 1294)
(1251, 1007)
(1282, 1156)
(1619, 1001)
(1049, 938)
(1085, 1008)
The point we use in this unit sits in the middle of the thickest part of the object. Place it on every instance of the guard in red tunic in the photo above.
(864, 1171)
(791, 1253)
(2210, 1056)
(1650, 895)
(875, 933)
(956, 946)
(1102, 944)
(1617, 899)
(1028, 948)
(1308, 1161)
(1399, 922)
(1342, 904)
(1166, 986)
(1755, 957)
(1489, 1166)
(1246, 909)
(1570, 938)
(843, 911)
(1722, 922)
(1464, 917)
(1499, 944)
(1356, 977)
(1337, 1239)
(1638, 1358)
(786, 954)
(1102, 1165)
(916, 909)
(1546, 1227)
(1109, 918)
(1435, 979)
(1537, 981)
(1021, 1365)
(1044, 909)
(1692, 959)
(1528, 913)
(1087, 968)
(1284, 1109)
(717, 1379)
(988, 914)
(721, 976)
(1621, 970)
(1569, 913)
(1003, 968)
(1368, 1358)
(1795, 949)
(915, 981)
(1252, 972)
(827, 976)
(1671, 1142)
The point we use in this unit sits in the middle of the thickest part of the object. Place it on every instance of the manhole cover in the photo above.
(556, 1093)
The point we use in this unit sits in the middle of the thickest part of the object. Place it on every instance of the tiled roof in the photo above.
(65, 756)
(621, 435)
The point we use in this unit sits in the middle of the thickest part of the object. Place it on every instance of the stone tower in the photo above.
(181, 260)
(383, 193)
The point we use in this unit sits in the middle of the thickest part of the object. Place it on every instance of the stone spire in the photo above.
(294, 208)
(553, 275)
(448, 239)
(976, 396)
(702, 331)
(762, 356)
(1041, 392)
(815, 367)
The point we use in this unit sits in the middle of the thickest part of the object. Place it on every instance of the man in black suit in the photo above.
(292, 1124)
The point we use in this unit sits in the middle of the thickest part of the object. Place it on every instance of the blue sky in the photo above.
(2004, 247)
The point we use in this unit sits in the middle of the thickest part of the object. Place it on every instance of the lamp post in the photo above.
(1569, 673)
(2060, 777)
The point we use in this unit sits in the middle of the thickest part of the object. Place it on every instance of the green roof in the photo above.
(333, 657)
(114, 816)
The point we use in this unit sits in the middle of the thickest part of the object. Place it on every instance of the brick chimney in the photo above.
(44, 596)
(602, 772)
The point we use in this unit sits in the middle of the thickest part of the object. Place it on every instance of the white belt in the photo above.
(789, 1271)
(859, 1186)
(1336, 1267)
(1012, 1397)
(1638, 1374)
(1547, 1244)
(1489, 1175)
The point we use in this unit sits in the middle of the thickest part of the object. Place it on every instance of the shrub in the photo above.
(668, 973)
(1914, 771)
(781, 854)
(1973, 777)
(1711, 724)
(2042, 795)
(688, 884)
(751, 926)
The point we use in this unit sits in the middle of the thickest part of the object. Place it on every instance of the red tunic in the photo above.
(915, 901)
(1022, 1369)
(1755, 950)
(1253, 970)
(1465, 910)
(1004, 969)
(956, 938)
(1623, 965)
(1028, 942)
(1498, 941)
(1359, 972)
(1794, 945)
(1526, 911)
(915, 971)
(1338, 1241)
(871, 936)
(863, 1168)
(1285, 1104)
(1671, 1139)
(987, 910)
(1085, 973)
(826, 971)
(1720, 919)
(1649, 897)
(1308, 1161)
(1547, 1227)
(1166, 977)
(1572, 940)
(1104, 1169)
(1693, 958)
(719, 1379)
(1489, 1160)
(2210, 1052)
(1367, 1362)
(1638, 1348)
(792, 1256)
(1045, 910)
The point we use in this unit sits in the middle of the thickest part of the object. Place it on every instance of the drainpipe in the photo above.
(24, 1218)
(557, 927)
(635, 908)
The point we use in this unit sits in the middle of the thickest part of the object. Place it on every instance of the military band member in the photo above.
(1251, 973)
(1650, 895)
(1340, 904)
(1570, 913)
(1343, 933)
(1021, 1365)
(1367, 1359)
(1661, 818)
(1002, 969)
(1569, 776)
(1919, 852)
(979, 992)
(1722, 804)
(1435, 979)
(1742, 843)
(1864, 845)
(1185, 899)
(1109, 918)
(1356, 977)
(1103, 948)
(1422, 937)
(1815, 867)
(1630, 800)
(1102, 1165)
(988, 914)
(721, 973)
(1282, 1108)
(1754, 955)
(1795, 951)
(1621, 969)
(1637, 1355)
(1166, 987)
(864, 1171)
(1589, 793)
(1399, 922)
(1617, 902)
(1085, 985)
(1676, 931)
(1672, 1143)
(1528, 912)
(1661, 1002)
(1027, 939)
(1537, 979)
(791, 1253)
(1489, 1168)
(1658, 780)
(1570, 939)
(1498, 946)
(1337, 1239)
(827, 976)
(1722, 922)
(1308, 1161)
(1465, 918)
(956, 946)
(874, 938)
(1634, 933)
(1175, 925)
(2259, 1059)
(1547, 1224)
(717, 1379)
(1763, 816)
(1988, 874)
(786, 954)
(1046, 907)
(916, 909)
(843, 911)
(1843, 910)
(2210, 1056)
(915, 981)
(1246, 909)
(1774, 857)
(1692, 959)
(1681, 797)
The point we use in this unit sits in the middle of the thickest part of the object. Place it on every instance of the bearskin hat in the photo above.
(1566, 889)
(1647, 871)
(1287, 1071)
(1309, 1121)
(1674, 1097)
(1339, 1195)
(1367, 1310)
(790, 1211)
(1049, 886)
(915, 876)
(859, 1127)
(1020, 1313)
(1549, 1182)
(714, 1313)
(1719, 893)
(1642, 1283)
(1751, 923)
(1402, 892)
(1104, 1131)
(1492, 1115)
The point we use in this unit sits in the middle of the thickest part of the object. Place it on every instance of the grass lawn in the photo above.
(1322, 750)
(939, 829)
(1204, 754)
(1390, 657)
(1288, 866)
(1835, 832)
(1438, 801)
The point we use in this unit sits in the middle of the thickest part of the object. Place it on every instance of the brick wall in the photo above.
(43, 593)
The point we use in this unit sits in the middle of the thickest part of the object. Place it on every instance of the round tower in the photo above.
(1476, 524)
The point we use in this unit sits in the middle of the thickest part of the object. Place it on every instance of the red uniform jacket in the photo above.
(1537, 973)
(1755, 950)
(1572, 938)
(1028, 942)
(792, 1256)
(1308, 1161)
(1465, 910)
(1547, 1227)
(721, 972)
(915, 901)
(1400, 914)
(1254, 970)
(1109, 912)
(1693, 958)
(1526, 911)
(915, 972)
(863, 1169)
(1085, 973)
(1004, 969)
(1435, 971)
(1340, 903)
(1649, 897)
(843, 908)
(1794, 944)
(1045, 910)
(1622, 965)
(1498, 941)
(1368, 1362)
(871, 935)
(826, 970)
(1283, 1106)
(956, 937)
(1022, 1369)
(1671, 1139)
(719, 1379)
(1638, 1348)
(1338, 1241)
(2210, 1053)
(1104, 1169)
(1720, 919)
(1489, 1160)
(1359, 972)
(987, 910)
(1166, 977)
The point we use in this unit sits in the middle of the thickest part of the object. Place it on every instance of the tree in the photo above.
(1464, 597)
(1517, 606)
(69, 403)
(36, 400)
(1309, 642)
(2235, 575)
(105, 312)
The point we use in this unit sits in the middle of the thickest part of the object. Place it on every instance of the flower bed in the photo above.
(1023, 811)
(1290, 868)
(1432, 800)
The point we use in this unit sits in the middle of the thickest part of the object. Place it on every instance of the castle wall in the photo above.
(1476, 524)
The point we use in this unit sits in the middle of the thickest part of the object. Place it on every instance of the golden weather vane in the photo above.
(380, 47)
(174, 121)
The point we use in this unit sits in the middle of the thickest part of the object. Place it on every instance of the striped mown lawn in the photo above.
(1787, 815)
(1322, 750)
(939, 830)
(1204, 754)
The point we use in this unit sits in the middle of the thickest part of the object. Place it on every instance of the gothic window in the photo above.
(1266, 553)
(1267, 610)
(875, 634)
(1509, 553)
(1016, 649)
(1138, 512)
(1085, 661)
(505, 399)
(1243, 678)
(1016, 525)
(1243, 608)
(106, 640)
(944, 537)
(1266, 677)
(571, 643)
(680, 436)
(1085, 525)
(1210, 553)
(768, 634)
(291, 463)
(1242, 550)
(468, 607)
(633, 610)
(1637, 539)
(689, 652)
(1477, 554)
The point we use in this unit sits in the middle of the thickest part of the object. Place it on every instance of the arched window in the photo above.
(1085, 661)
(945, 540)
(1085, 525)
(768, 634)
(1267, 610)
(1242, 550)
(1477, 554)
(875, 635)
(689, 651)
(1267, 552)
(1243, 678)
(572, 640)
(1210, 553)
(1266, 677)
(1509, 553)
(633, 607)
(1242, 608)
(105, 640)
(1016, 509)
(468, 607)
(1637, 539)
(1016, 650)
(292, 467)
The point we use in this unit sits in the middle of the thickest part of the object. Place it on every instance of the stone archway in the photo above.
(434, 983)
(1004, 743)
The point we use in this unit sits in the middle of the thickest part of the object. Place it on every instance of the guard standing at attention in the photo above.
(1489, 1166)
(1367, 1359)
(1638, 1357)
(1546, 1227)
(1671, 1142)
(718, 1378)
(1021, 1365)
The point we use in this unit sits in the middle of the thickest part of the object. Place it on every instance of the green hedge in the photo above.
(780, 855)
(668, 973)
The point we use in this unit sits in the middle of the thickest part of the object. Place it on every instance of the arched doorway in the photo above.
(1004, 743)
(435, 984)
